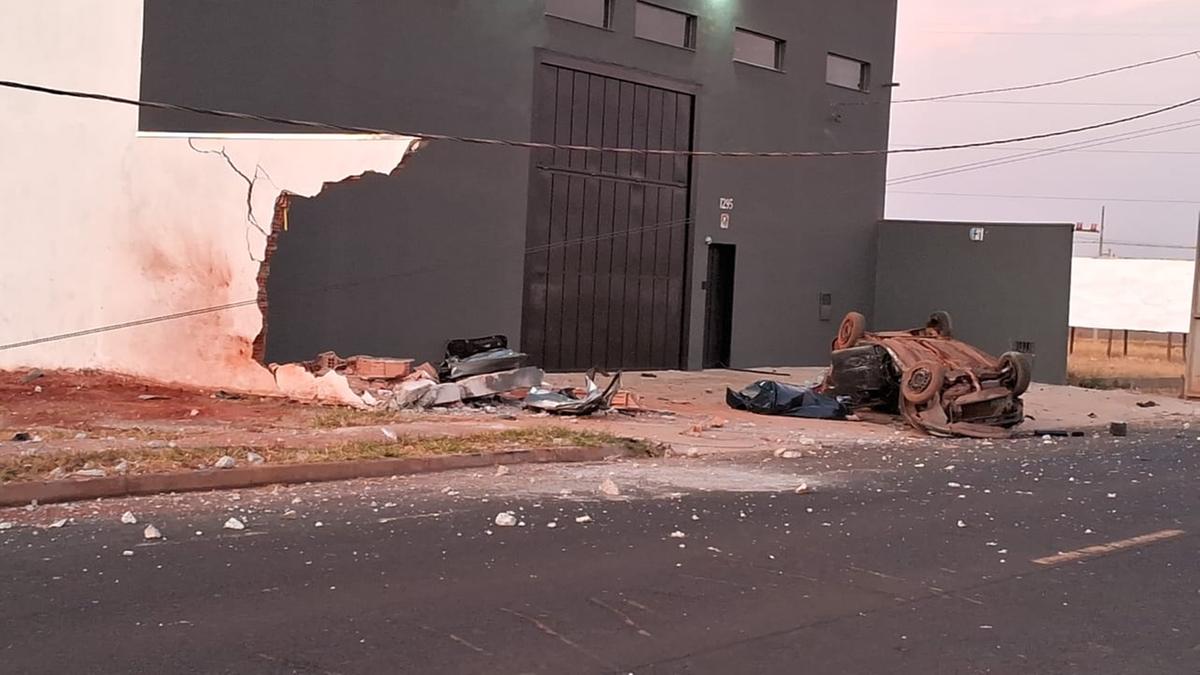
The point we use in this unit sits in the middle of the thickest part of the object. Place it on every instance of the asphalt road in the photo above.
(912, 560)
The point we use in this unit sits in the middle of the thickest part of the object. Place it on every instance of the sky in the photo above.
(946, 46)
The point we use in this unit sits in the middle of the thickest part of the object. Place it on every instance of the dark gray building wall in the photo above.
(802, 226)
(1015, 285)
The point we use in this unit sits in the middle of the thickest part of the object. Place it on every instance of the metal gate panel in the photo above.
(607, 235)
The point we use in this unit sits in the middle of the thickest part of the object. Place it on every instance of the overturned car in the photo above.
(936, 383)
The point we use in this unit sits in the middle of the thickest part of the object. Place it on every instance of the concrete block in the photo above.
(442, 394)
(410, 394)
(499, 383)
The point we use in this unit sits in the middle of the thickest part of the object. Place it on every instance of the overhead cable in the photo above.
(534, 145)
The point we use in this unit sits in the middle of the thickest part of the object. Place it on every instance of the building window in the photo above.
(841, 71)
(592, 12)
(665, 25)
(757, 49)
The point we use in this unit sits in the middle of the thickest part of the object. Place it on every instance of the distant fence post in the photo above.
(1170, 345)
(1110, 335)
(1071, 345)
(1126, 347)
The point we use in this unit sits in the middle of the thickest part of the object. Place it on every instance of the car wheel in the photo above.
(1017, 372)
(853, 328)
(922, 382)
(941, 322)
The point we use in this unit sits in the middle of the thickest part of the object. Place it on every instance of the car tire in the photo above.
(922, 381)
(1020, 374)
(853, 328)
(941, 322)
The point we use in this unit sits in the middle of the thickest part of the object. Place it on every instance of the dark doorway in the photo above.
(718, 308)
(607, 238)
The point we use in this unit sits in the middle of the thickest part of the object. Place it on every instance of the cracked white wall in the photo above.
(104, 226)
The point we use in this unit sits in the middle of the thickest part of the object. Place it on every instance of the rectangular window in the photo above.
(665, 25)
(757, 49)
(592, 12)
(849, 73)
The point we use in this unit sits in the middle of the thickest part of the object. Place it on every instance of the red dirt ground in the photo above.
(83, 399)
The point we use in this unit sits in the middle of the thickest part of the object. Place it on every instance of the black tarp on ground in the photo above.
(767, 397)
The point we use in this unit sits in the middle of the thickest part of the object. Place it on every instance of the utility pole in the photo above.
(1191, 381)
(1103, 211)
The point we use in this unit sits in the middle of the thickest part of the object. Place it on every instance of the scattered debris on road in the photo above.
(234, 524)
(506, 519)
(151, 532)
(225, 462)
(609, 488)
(128, 518)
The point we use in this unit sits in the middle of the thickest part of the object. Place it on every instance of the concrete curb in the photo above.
(48, 492)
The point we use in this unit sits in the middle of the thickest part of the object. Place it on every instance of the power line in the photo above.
(533, 145)
(1092, 104)
(1178, 247)
(128, 324)
(1052, 83)
(1037, 154)
(1107, 152)
(1050, 197)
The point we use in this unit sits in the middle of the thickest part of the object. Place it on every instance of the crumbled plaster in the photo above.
(141, 225)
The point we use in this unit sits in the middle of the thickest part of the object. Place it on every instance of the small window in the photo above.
(757, 49)
(665, 25)
(849, 73)
(592, 12)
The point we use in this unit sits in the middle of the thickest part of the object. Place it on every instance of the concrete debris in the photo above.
(58, 473)
(803, 489)
(961, 524)
(151, 532)
(127, 553)
(609, 488)
(318, 524)
(152, 397)
(493, 384)
(792, 454)
(552, 524)
(255, 458)
(506, 519)
(583, 519)
(225, 462)
(234, 524)
(677, 535)
(58, 523)
(128, 518)
(369, 400)
(389, 434)
(6, 525)
(37, 389)
(502, 470)
(122, 467)
(32, 375)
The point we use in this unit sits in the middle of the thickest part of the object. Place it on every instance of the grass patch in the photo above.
(341, 418)
(40, 465)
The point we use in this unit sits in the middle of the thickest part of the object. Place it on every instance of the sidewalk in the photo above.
(92, 412)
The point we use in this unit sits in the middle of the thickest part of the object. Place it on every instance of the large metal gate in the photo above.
(608, 232)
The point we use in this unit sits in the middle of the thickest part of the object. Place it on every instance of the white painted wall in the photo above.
(103, 226)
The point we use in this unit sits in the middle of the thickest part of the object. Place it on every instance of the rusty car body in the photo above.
(938, 384)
